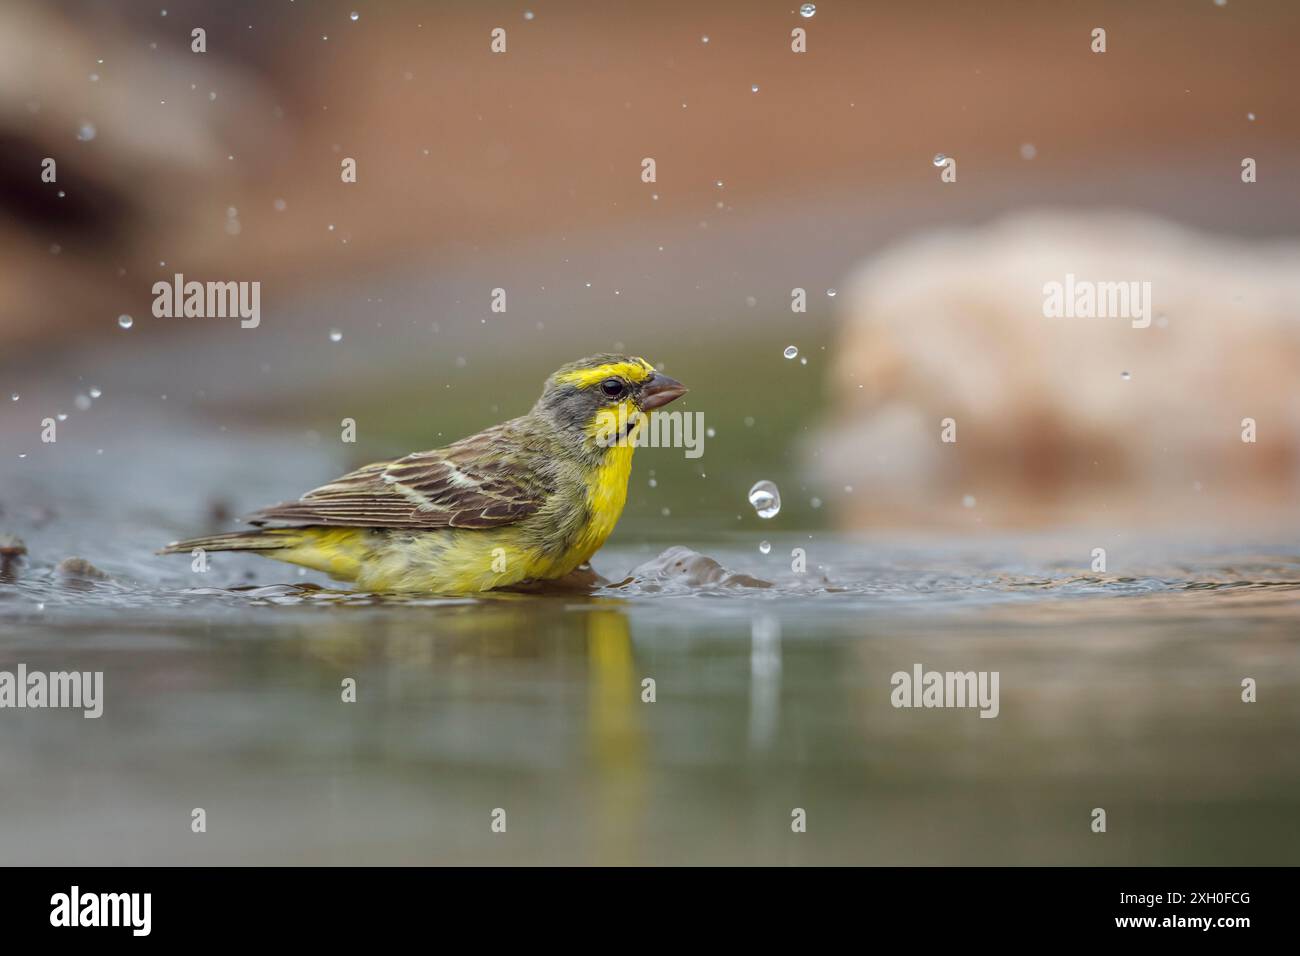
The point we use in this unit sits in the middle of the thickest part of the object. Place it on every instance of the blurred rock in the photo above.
(79, 569)
(680, 567)
(12, 551)
(1067, 419)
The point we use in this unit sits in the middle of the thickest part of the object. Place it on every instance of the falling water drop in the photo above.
(765, 546)
(791, 351)
(125, 321)
(336, 335)
(765, 499)
(808, 10)
(940, 159)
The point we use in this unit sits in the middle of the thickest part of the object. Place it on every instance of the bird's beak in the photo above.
(659, 390)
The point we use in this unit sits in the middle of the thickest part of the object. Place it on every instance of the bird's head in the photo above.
(604, 400)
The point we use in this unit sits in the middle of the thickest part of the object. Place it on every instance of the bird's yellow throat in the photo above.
(607, 485)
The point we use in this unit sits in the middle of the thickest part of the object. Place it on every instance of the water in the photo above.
(771, 691)
(765, 499)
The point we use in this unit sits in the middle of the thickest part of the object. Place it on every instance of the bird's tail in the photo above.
(257, 539)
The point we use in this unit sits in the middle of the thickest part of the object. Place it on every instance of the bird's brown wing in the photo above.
(485, 481)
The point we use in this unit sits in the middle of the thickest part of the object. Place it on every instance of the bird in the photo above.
(525, 501)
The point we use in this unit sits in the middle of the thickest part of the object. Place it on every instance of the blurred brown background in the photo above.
(522, 170)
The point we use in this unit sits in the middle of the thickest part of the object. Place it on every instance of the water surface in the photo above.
(1118, 690)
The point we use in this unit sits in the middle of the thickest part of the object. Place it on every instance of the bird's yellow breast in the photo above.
(606, 496)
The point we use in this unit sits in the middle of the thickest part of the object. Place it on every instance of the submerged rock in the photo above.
(12, 550)
(81, 569)
(681, 567)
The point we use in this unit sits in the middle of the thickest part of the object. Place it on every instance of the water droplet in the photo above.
(753, 88)
(718, 183)
(816, 502)
(704, 39)
(831, 293)
(808, 10)
(1251, 117)
(62, 416)
(765, 499)
(804, 360)
(14, 397)
(710, 432)
(528, 14)
(82, 401)
(354, 16)
(125, 321)
(94, 77)
(968, 501)
(95, 393)
(280, 205)
(940, 159)
(1125, 376)
(654, 483)
(1028, 150)
(765, 546)
(336, 335)
(791, 351)
(86, 132)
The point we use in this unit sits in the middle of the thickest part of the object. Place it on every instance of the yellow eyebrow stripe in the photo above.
(637, 370)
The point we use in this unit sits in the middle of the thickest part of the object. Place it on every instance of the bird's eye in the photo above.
(612, 388)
